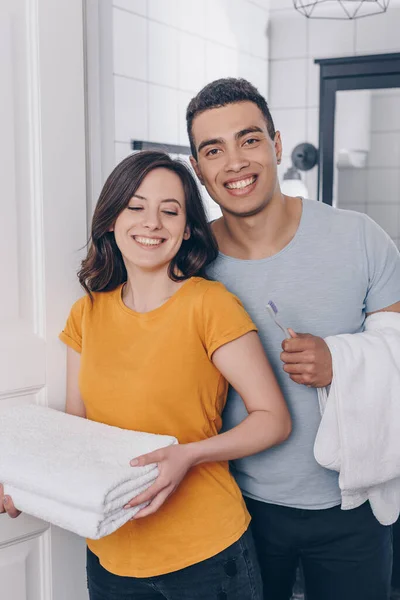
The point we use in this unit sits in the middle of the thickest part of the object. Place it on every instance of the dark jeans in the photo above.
(230, 575)
(345, 555)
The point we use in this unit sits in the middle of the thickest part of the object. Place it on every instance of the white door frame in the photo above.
(43, 155)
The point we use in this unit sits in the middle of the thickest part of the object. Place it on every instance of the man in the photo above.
(325, 269)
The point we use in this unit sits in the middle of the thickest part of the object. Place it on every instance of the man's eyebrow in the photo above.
(209, 143)
(238, 135)
(252, 129)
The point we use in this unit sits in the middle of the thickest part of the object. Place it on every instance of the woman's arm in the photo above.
(245, 366)
(74, 404)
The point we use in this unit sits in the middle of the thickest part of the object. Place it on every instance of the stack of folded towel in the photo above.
(73, 472)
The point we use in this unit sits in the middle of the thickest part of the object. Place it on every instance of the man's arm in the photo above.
(392, 308)
(307, 358)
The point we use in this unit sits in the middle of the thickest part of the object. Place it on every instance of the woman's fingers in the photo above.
(148, 459)
(155, 504)
(7, 505)
(2, 508)
(10, 508)
(147, 495)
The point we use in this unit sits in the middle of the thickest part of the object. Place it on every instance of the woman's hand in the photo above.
(173, 464)
(7, 505)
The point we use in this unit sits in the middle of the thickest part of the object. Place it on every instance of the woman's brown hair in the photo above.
(103, 269)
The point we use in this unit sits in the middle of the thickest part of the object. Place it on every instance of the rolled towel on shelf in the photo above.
(73, 472)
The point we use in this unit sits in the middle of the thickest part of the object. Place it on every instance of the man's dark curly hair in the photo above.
(220, 93)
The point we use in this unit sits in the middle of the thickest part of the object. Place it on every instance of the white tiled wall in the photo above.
(166, 50)
(295, 42)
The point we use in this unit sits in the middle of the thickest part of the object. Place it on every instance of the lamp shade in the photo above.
(340, 9)
(294, 187)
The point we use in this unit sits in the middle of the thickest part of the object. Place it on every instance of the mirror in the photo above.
(366, 175)
(359, 137)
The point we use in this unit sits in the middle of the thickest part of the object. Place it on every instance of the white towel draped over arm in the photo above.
(73, 472)
(359, 434)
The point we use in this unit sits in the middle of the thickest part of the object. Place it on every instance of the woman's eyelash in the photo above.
(167, 212)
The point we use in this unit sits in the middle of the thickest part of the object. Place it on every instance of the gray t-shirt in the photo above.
(339, 265)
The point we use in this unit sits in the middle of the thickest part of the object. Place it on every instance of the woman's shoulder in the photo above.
(209, 286)
(91, 304)
(214, 293)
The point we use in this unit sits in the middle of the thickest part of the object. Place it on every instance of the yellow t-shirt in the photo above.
(152, 372)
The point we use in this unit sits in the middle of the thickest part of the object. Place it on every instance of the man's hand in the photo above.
(7, 505)
(173, 464)
(307, 359)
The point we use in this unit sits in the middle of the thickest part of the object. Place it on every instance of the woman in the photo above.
(152, 347)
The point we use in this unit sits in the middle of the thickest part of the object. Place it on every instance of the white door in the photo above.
(42, 228)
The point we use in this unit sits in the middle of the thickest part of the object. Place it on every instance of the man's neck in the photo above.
(261, 235)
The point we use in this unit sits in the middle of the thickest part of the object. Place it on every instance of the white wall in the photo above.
(166, 50)
(294, 78)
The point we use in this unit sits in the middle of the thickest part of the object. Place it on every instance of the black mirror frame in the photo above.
(376, 71)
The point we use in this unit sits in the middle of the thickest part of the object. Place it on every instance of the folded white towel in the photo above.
(360, 429)
(73, 472)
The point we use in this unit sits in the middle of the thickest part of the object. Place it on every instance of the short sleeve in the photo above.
(224, 318)
(72, 332)
(383, 263)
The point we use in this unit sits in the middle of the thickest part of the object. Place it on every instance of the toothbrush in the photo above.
(273, 311)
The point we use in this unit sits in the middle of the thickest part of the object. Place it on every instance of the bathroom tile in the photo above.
(192, 16)
(163, 54)
(327, 37)
(239, 19)
(313, 75)
(281, 5)
(257, 23)
(291, 122)
(131, 109)
(130, 44)
(288, 35)
(122, 150)
(220, 61)
(385, 149)
(312, 133)
(255, 70)
(385, 110)
(136, 6)
(163, 115)
(218, 24)
(352, 186)
(383, 186)
(387, 216)
(164, 11)
(192, 62)
(379, 33)
(183, 101)
(287, 86)
(356, 207)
